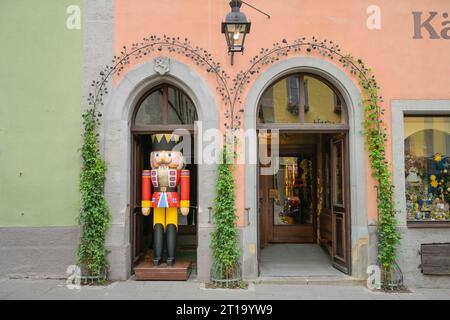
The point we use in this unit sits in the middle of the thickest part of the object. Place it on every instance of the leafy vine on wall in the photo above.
(225, 250)
(94, 216)
(231, 98)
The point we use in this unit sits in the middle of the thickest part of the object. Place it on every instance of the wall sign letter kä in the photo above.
(425, 24)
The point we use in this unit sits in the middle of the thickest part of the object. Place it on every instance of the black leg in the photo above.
(158, 243)
(171, 237)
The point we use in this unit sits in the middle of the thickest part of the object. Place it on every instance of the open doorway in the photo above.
(186, 248)
(304, 225)
(304, 222)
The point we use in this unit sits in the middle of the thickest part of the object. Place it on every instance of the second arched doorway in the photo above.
(304, 203)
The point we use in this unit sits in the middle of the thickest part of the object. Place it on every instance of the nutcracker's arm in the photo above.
(184, 191)
(146, 192)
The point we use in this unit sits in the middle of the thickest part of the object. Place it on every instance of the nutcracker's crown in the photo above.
(165, 141)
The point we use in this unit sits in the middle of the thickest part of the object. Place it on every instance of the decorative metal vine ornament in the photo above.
(231, 97)
(155, 44)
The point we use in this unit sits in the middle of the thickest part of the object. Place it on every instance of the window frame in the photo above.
(400, 110)
(303, 105)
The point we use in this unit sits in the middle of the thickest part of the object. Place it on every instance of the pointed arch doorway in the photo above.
(164, 108)
(118, 139)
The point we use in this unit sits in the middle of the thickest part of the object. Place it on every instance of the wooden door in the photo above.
(325, 218)
(340, 203)
(265, 210)
(292, 197)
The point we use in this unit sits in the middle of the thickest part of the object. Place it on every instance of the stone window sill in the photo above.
(428, 224)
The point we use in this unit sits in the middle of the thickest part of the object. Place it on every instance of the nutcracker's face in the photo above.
(167, 159)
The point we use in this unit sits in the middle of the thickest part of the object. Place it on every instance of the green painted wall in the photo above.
(40, 115)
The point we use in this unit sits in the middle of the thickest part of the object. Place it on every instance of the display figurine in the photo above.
(413, 178)
(166, 175)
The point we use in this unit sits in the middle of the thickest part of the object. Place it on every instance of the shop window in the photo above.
(427, 168)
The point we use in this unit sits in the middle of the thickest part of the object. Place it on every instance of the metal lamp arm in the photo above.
(254, 8)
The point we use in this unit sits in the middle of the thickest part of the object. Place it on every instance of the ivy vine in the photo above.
(224, 239)
(94, 215)
(388, 235)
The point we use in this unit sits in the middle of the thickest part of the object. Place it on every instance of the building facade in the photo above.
(314, 103)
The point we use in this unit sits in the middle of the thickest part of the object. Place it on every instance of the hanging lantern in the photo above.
(235, 27)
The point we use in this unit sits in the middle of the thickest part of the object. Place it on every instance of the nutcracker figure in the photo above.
(166, 176)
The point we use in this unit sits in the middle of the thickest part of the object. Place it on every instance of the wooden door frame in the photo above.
(328, 132)
(133, 217)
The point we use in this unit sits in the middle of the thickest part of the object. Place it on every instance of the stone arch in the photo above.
(358, 209)
(116, 145)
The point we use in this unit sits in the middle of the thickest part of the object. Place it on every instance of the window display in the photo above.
(293, 200)
(427, 168)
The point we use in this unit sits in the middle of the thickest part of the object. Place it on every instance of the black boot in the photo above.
(158, 243)
(171, 237)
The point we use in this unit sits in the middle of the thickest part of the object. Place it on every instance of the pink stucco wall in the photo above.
(406, 68)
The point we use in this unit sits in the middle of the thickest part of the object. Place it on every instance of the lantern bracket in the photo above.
(256, 9)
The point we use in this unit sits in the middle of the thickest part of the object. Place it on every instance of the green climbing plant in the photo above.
(94, 215)
(388, 236)
(224, 243)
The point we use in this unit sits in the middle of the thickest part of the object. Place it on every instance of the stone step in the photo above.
(147, 271)
(312, 280)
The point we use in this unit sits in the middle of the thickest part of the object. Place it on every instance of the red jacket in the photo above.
(165, 199)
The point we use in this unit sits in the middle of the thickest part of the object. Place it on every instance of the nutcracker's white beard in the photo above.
(163, 176)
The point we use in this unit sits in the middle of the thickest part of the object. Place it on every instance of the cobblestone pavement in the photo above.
(57, 289)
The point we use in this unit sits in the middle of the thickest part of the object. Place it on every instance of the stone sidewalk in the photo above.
(57, 289)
